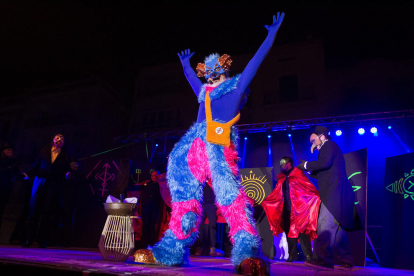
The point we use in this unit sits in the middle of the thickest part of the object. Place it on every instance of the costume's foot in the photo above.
(345, 266)
(252, 266)
(198, 251)
(144, 256)
(319, 265)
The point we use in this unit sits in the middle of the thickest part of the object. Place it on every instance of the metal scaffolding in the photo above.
(279, 125)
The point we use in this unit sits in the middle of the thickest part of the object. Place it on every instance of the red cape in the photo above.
(305, 205)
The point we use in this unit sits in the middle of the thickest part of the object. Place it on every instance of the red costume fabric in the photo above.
(305, 202)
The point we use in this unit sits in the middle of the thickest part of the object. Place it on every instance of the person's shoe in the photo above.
(308, 258)
(212, 251)
(27, 244)
(198, 251)
(345, 266)
(319, 265)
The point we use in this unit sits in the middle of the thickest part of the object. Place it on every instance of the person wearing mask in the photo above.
(337, 208)
(292, 207)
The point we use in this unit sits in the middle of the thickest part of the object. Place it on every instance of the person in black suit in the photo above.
(49, 170)
(336, 212)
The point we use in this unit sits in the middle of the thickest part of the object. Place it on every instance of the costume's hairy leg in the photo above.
(186, 193)
(234, 205)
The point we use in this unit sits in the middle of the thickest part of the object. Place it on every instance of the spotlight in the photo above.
(338, 132)
(389, 127)
(361, 131)
(290, 135)
(374, 130)
(156, 145)
(245, 138)
(268, 136)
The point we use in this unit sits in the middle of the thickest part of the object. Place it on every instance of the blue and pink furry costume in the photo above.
(194, 160)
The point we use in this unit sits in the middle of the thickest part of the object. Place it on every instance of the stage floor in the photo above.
(15, 260)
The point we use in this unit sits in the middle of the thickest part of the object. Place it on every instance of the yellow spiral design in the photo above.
(254, 190)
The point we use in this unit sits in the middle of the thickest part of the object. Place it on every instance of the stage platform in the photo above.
(15, 260)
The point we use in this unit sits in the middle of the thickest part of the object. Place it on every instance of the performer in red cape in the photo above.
(292, 207)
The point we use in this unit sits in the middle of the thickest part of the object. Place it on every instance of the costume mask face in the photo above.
(214, 69)
(316, 142)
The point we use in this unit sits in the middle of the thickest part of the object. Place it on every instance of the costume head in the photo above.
(214, 68)
(318, 137)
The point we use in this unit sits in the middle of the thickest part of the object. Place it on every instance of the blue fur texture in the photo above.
(172, 251)
(246, 246)
(188, 222)
(183, 185)
(226, 185)
(211, 57)
(226, 87)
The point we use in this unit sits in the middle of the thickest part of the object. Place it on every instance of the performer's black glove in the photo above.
(18, 177)
(301, 166)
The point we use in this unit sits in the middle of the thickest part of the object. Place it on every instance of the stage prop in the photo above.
(397, 240)
(105, 177)
(258, 184)
(117, 238)
(356, 169)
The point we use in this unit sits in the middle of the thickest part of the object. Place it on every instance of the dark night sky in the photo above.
(49, 42)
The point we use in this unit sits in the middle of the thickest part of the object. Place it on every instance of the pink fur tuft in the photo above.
(198, 161)
(179, 209)
(236, 216)
(231, 157)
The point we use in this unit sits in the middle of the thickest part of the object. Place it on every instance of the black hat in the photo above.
(322, 129)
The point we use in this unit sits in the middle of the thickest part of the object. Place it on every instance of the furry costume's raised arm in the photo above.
(251, 68)
(189, 72)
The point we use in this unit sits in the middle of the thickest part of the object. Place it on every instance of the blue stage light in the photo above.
(338, 132)
(156, 145)
(389, 127)
(361, 131)
(290, 135)
(268, 136)
(374, 130)
(245, 138)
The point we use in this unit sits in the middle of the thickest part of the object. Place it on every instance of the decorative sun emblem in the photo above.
(403, 186)
(253, 186)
